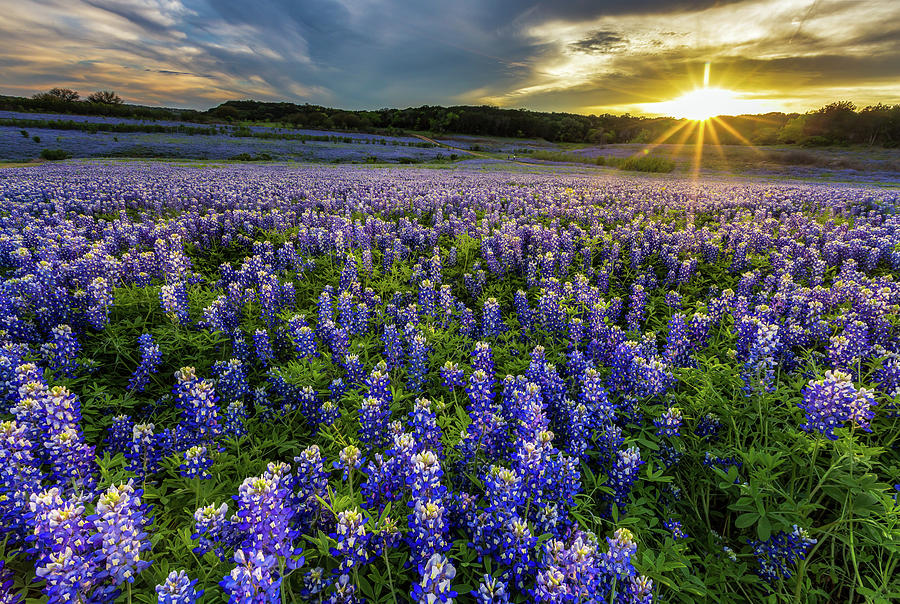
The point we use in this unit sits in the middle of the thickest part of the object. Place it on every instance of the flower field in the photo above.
(344, 384)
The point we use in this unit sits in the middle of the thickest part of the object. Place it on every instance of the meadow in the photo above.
(281, 383)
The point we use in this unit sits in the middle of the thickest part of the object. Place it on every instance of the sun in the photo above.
(705, 103)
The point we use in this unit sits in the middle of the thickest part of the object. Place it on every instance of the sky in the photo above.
(583, 56)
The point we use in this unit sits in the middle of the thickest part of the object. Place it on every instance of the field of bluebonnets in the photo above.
(266, 384)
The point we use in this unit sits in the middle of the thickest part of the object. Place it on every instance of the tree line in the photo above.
(837, 123)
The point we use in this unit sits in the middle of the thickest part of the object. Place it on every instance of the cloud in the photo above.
(566, 55)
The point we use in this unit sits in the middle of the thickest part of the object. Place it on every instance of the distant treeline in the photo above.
(835, 124)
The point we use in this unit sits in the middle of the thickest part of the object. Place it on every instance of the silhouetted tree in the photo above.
(107, 97)
(65, 95)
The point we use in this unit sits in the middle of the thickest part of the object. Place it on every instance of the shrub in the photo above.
(55, 154)
(36, 139)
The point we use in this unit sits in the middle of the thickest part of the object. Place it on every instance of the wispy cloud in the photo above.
(562, 55)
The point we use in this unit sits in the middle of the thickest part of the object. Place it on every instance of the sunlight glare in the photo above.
(704, 103)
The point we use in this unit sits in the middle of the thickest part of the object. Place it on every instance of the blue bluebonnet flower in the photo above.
(120, 433)
(213, 531)
(523, 311)
(144, 455)
(354, 368)
(196, 463)
(669, 423)
(100, 299)
(254, 579)
(235, 420)
(174, 302)
(7, 595)
(832, 401)
(624, 474)
(263, 347)
(417, 363)
(302, 337)
(708, 427)
(780, 553)
(374, 415)
(199, 410)
(434, 586)
(674, 527)
(349, 459)
(150, 360)
(353, 540)
(264, 515)
(491, 591)
(344, 591)
(314, 580)
(452, 376)
(120, 520)
(492, 323)
(178, 589)
(423, 422)
(393, 347)
(61, 351)
(232, 384)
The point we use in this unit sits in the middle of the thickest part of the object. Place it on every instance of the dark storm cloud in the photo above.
(570, 55)
(599, 42)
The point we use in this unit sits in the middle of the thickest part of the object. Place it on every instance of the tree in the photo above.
(106, 97)
(66, 95)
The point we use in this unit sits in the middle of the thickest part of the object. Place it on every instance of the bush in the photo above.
(647, 163)
(36, 139)
(55, 154)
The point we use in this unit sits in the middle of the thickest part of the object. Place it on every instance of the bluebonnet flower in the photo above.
(780, 553)
(233, 384)
(374, 415)
(213, 531)
(523, 311)
(424, 425)
(7, 595)
(302, 337)
(120, 521)
(254, 579)
(354, 368)
(492, 323)
(100, 299)
(178, 589)
(353, 541)
(434, 586)
(832, 401)
(350, 458)
(708, 427)
(199, 410)
(263, 346)
(491, 591)
(144, 455)
(452, 376)
(265, 516)
(61, 351)
(196, 463)
(624, 474)
(674, 526)
(120, 433)
(670, 423)
(151, 357)
(393, 347)
(314, 580)
(235, 420)
(174, 301)
(417, 363)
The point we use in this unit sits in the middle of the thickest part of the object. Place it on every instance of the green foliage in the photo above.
(55, 154)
